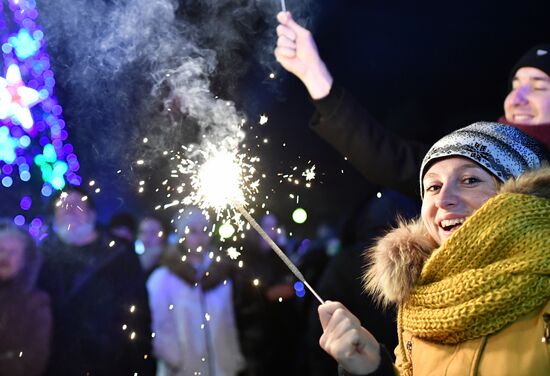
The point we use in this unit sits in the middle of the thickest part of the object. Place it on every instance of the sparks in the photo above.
(263, 119)
(309, 173)
(233, 253)
(220, 180)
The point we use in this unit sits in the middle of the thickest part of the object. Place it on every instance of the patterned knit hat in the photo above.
(537, 57)
(503, 150)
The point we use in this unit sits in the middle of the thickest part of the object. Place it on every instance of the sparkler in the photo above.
(283, 5)
(220, 183)
(277, 250)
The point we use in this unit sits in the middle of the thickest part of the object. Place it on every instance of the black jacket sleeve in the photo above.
(381, 156)
(385, 369)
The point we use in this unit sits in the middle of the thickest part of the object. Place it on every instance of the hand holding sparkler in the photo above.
(297, 52)
(351, 345)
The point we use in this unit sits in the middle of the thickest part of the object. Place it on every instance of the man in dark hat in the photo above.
(527, 106)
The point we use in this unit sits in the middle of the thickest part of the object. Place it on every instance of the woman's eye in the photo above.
(432, 188)
(471, 180)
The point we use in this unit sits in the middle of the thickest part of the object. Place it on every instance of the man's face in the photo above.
(74, 219)
(196, 237)
(529, 101)
(269, 225)
(12, 255)
(150, 233)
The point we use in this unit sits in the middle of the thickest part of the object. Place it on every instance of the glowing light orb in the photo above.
(19, 220)
(139, 247)
(8, 145)
(24, 44)
(226, 231)
(53, 170)
(299, 215)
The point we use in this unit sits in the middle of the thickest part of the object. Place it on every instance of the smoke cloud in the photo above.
(163, 69)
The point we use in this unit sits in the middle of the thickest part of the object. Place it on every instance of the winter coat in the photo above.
(102, 322)
(381, 156)
(194, 319)
(25, 322)
(522, 347)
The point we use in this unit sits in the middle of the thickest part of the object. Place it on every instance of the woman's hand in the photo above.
(351, 345)
(297, 52)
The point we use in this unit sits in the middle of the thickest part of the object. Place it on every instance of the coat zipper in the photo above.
(546, 334)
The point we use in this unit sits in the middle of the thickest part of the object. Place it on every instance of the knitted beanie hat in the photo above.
(501, 149)
(537, 57)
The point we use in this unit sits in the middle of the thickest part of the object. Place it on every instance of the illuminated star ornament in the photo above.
(16, 98)
(32, 129)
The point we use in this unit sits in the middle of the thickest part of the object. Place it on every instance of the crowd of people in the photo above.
(459, 285)
(138, 296)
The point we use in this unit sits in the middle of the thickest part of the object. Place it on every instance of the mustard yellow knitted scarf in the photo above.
(492, 271)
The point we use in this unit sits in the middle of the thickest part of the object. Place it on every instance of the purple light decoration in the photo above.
(36, 120)
(26, 203)
(37, 222)
(19, 220)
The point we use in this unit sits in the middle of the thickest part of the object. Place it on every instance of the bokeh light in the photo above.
(299, 216)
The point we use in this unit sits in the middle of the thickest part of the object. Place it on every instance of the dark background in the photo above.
(422, 68)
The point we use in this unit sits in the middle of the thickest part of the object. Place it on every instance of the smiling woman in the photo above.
(454, 189)
(463, 169)
(471, 277)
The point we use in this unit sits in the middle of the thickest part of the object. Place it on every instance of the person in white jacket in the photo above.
(191, 298)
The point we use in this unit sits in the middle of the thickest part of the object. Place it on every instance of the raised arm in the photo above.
(381, 156)
(297, 52)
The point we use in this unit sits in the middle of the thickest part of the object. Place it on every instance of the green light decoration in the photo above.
(299, 216)
(53, 170)
(226, 231)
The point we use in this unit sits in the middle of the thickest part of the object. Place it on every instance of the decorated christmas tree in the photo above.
(34, 143)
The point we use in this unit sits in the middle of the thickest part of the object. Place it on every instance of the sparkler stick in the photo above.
(283, 5)
(277, 250)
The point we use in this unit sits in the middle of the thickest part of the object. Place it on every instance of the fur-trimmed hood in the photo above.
(394, 263)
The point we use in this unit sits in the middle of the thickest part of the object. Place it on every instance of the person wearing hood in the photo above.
(381, 156)
(25, 313)
(192, 304)
(471, 277)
